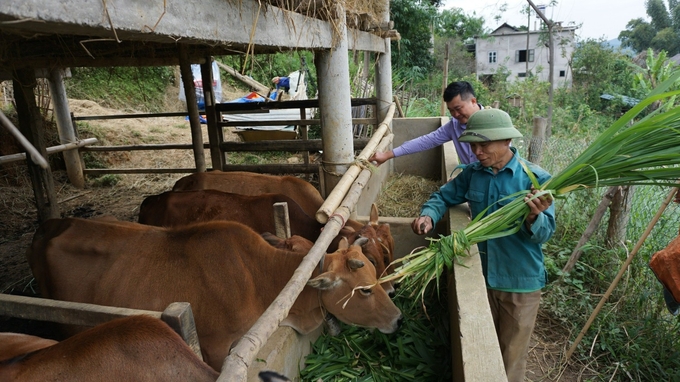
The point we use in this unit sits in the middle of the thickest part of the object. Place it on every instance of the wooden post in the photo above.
(537, 139)
(215, 133)
(192, 108)
(74, 167)
(445, 80)
(619, 214)
(180, 318)
(31, 126)
(282, 220)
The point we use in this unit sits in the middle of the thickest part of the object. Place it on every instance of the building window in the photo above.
(492, 57)
(522, 56)
(521, 75)
(563, 73)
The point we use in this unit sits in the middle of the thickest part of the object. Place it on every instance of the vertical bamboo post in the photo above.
(74, 167)
(215, 133)
(537, 139)
(31, 126)
(192, 107)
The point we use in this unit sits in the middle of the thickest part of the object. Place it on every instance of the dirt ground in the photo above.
(18, 219)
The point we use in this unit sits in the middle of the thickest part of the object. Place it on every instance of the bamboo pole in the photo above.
(625, 265)
(50, 150)
(14, 131)
(335, 197)
(241, 356)
(235, 367)
(260, 88)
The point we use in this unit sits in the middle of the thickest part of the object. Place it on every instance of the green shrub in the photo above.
(120, 87)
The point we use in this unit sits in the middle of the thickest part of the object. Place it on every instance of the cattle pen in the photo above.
(41, 38)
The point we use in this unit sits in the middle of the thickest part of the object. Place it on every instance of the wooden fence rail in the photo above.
(177, 315)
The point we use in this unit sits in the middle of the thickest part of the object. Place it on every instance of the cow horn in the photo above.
(355, 264)
(360, 241)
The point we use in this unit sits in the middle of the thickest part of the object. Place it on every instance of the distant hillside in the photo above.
(615, 44)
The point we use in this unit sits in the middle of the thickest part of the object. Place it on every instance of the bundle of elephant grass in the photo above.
(646, 152)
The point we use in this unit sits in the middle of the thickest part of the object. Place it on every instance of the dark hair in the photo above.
(461, 88)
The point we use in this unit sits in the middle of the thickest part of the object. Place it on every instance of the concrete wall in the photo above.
(426, 163)
(284, 352)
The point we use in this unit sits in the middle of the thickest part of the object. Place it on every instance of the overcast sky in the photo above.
(598, 18)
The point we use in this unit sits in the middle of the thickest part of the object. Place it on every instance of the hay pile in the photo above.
(403, 195)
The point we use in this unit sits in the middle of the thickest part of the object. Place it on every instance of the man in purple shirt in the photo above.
(461, 102)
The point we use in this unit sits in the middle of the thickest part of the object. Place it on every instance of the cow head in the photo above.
(348, 289)
(373, 250)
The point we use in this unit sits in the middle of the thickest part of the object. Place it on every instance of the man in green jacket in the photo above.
(512, 265)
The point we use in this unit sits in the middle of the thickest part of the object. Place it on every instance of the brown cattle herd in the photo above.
(208, 242)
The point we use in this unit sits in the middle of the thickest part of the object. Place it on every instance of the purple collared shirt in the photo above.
(450, 131)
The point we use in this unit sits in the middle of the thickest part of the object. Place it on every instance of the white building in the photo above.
(506, 49)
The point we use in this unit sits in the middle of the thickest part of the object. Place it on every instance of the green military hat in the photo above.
(489, 125)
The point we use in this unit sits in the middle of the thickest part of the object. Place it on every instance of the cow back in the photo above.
(16, 344)
(251, 183)
(178, 208)
(136, 348)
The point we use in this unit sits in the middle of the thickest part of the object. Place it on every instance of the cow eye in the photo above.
(366, 291)
(372, 260)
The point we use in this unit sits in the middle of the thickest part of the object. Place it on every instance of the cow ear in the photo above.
(272, 239)
(344, 243)
(374, 215)
(354, 264)
(324, 281)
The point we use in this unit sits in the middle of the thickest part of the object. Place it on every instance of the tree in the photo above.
(598, 69)
(454, 27)
(638, 35)
(662, 32)
(453, 23)
(413, 20)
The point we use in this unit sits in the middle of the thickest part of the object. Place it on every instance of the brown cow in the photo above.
(136, 348)
(225, 270)
(179, 208)
(252, 183)
(305, 194)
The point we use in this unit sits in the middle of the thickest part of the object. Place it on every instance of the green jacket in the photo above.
(512, 263)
